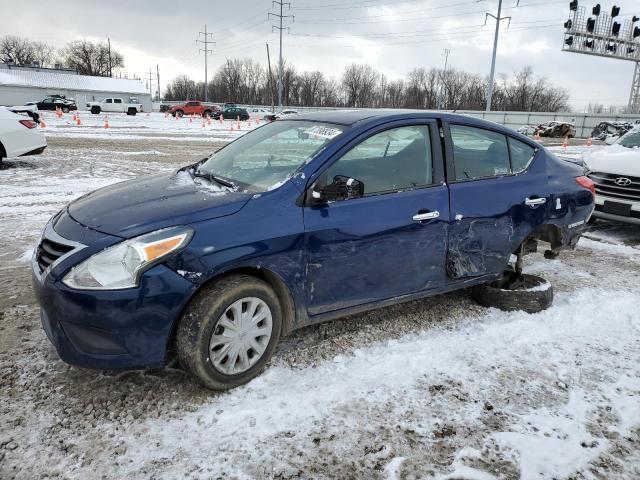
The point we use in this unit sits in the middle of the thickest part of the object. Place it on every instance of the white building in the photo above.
(19, 85)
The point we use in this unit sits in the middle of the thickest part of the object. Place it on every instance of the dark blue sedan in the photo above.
(300, 221)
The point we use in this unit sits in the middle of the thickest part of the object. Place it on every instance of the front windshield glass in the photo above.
(631, 139)
(263, 159)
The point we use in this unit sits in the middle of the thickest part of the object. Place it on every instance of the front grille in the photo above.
(606, 185)
(49, 251)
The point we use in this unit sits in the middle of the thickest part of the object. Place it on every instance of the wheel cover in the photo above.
(241, 336)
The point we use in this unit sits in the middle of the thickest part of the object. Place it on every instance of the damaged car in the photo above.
(610, 130)
(556, 129)
(306, 219)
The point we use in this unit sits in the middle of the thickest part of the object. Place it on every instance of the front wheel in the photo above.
(228, 331)
(65, 109)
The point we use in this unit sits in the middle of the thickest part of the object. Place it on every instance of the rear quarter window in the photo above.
(521, 155)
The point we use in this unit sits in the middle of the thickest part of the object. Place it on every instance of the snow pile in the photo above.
(245, 432)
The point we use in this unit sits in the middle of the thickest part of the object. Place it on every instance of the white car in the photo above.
(258, 112)
(19, 135)
(616, 172)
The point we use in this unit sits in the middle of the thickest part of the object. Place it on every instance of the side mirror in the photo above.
(342, 188)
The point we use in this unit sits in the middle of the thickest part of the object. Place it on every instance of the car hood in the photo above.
(149, 203)
(614, 159)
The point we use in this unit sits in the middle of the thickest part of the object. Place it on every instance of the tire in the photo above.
(178, 113)
(202, 318)
(132, 111)
(535, 296)
(95, 110)
(65, 109)
(206, 113)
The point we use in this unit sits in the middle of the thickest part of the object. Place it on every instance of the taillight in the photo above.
(587, 183)
(28, 123)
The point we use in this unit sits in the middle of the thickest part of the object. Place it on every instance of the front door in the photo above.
(498, 196)
(390, 241)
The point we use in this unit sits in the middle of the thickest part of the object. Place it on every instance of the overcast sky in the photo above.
(394, 36)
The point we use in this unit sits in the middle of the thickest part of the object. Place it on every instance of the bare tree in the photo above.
(90, 58)
(182, 88)
(22, 51)
(359, 81)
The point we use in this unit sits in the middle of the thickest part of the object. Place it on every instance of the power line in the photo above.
(206, 42)
(498, 19)
(280, 28)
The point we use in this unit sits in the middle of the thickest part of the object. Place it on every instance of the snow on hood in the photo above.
(614, 159)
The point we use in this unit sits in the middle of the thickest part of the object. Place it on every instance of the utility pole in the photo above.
(445, 53)
(150, 77)
(158, 79)
(109, 44)
(280, 28)
(206, 51)
(498, 19)
(273, 108)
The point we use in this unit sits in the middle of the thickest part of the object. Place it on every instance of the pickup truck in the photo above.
(117, 105)
(194, 107)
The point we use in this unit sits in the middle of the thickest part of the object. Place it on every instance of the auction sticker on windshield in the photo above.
(323, 132)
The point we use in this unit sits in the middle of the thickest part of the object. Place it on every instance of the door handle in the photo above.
(532, 202)
(419, 217)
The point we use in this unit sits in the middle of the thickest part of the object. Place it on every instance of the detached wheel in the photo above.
(528, 292)
(229, 331)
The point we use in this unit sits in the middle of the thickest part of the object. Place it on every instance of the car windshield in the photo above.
(264, 158)
(631, 139)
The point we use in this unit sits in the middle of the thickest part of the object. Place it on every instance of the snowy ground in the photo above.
(438, 388)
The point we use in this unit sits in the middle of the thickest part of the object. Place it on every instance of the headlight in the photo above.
(120, 266)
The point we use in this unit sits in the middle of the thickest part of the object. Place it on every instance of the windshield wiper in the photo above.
(212, 177)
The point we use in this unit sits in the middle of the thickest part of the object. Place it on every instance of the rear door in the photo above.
(118, 105)
(498, 194)
(392, 240)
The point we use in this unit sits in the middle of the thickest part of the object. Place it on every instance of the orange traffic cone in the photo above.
(589, 142)
(257, 121)
(78, 122)
(73, 117)
(565, 144)
(106, 121)
(42, 124)
(238, 124)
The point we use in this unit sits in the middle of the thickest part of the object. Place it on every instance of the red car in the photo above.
(194, 107)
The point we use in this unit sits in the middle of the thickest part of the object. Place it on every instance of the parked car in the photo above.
(284, 113)
(19, 135)
(613, 130)
(615, 170)
(51, 102)
(115, 105)
(557, 129)
(232, 113)
(300, 221)
(258, 112)
(194, 107)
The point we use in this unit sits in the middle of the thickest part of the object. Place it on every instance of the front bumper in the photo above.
(633, 216)
(110, 329)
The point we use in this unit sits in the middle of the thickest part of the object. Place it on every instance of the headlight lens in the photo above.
(119, 266)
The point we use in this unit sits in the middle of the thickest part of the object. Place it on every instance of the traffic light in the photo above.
(568, 24)
(573, 5)
(591, 25)
(588, 44)
(612, 47)
(569, 41)
(615, 29)
(596, 10)
(615, 11)
(636, 32)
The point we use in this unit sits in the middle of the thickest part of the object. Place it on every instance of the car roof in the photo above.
(353, 117)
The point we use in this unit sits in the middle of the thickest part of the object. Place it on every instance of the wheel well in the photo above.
(272, 279)
(549, 233)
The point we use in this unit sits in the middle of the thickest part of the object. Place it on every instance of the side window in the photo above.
(521, 155)
(479, 153)
(389, 161)
(117, 100)
(108, 100)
